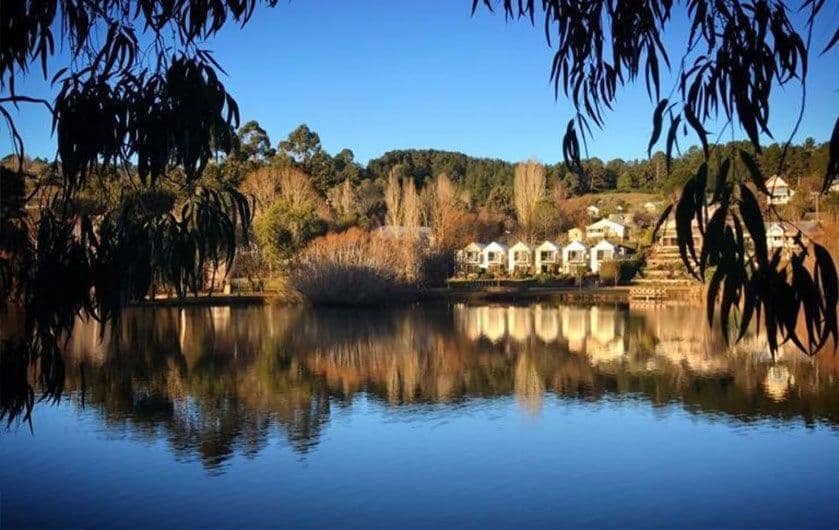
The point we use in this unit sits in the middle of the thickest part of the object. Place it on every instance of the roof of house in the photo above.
(548, 244)
(776, 181)
(475, 245)
(806, 227)
(575, 244)
(496, 246)
(521, 244)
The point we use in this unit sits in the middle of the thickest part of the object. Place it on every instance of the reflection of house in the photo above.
(546, 323)
(548, 257)
(520, 258)
(606, 228)
(493, 322)
(574, 257)
(778, 382)
(470, 256)
(519, 324)
(605, 250)
(494, 257)
(779, 191)
(575, 327)
(607, 330)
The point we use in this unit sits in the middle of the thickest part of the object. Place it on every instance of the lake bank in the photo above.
(501, 291)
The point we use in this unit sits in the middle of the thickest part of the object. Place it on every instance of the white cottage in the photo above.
(779, 191)
(606, 228)
(574, 257)
(787, 236)
(494, 257)
(548, 258)
(605, 250)
(593, 210)
(520, 258)
(469, 257)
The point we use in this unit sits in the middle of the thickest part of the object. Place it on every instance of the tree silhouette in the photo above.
(735, 54)
(142, 105)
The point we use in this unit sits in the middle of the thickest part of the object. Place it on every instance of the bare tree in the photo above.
(268, 184)
(343, 199)
(411, 208)
(393, 199)
(528, 190)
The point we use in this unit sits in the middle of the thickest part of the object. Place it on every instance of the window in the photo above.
(492, 256)
(522, 256)
(546, 255)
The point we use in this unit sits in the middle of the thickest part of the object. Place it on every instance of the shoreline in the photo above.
(625, 294)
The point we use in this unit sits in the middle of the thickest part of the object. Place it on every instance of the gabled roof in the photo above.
(604, 243)
(548, 244)
(777, 182)
(496, 246)
(521, 244)
(575, 245)
(474, 245)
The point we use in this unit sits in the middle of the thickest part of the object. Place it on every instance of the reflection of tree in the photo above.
(215, 382)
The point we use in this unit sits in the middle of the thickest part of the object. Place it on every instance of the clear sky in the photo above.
(377, 75)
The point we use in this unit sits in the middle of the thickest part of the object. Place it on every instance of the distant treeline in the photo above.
(481, 176)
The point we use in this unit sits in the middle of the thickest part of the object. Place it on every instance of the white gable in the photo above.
(604, 245)
(548, 245)
(574, 245)
(495, 247)
(474, 247)
(776, 182)
(521, 245)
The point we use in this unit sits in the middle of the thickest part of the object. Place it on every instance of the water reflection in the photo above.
(219, 381)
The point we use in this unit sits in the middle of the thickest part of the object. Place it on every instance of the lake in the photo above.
(430, 416)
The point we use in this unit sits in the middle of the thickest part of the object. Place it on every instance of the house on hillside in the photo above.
(593, 210)
(574, 257)
(606, 228)
(651, 207)
(469, 257)
(520, 258)
(779, 191)
(790, 237)
(575, 234)
(548, 258)
(606, 250)
(494, 257)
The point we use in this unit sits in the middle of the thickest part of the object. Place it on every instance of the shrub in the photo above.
(618, 271)
(356, 267)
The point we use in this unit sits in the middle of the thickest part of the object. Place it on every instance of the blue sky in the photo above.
(375, 76)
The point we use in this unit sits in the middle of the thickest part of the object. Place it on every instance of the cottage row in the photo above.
(547, 258)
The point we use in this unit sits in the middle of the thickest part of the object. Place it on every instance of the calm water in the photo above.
(426, 417)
